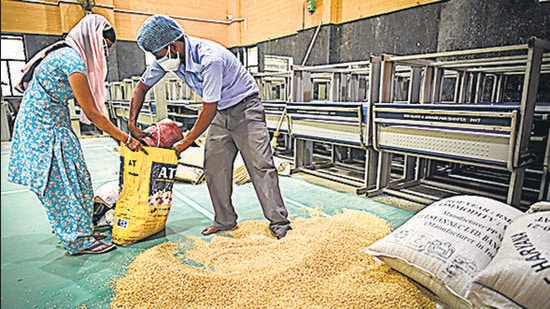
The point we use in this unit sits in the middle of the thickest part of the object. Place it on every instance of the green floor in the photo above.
(37, 273)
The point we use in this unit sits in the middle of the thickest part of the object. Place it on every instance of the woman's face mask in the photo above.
(169, 64)
(105, 48)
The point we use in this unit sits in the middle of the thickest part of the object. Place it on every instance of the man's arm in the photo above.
(203, 121)
(136, 103)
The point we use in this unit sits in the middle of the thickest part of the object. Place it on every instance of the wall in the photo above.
(350, 29)
(198, 17)
(439, 26)
(229, 22)
(469, 23)
(267, 20)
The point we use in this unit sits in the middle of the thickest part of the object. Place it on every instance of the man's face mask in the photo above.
(169, 64)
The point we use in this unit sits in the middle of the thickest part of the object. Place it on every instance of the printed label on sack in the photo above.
(453, 239)
(162, 181)
(122, 223)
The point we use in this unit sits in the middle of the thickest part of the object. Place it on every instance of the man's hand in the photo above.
(182, 144)
(137, 132)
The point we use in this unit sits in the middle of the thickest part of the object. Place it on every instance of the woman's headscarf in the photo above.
(87, 38)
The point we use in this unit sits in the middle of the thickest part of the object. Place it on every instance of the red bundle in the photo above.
(163, 134)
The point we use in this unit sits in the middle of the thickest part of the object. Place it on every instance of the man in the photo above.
(231, 111)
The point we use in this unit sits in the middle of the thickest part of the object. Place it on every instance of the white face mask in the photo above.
(170, 64)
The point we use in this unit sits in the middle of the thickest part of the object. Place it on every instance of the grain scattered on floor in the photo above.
(320, 264)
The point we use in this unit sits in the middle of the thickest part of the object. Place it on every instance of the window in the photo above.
(252, 59)
(13, 61)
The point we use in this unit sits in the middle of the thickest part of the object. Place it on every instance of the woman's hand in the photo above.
(134, 144)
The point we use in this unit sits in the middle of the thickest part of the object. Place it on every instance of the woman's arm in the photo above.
(83, 94)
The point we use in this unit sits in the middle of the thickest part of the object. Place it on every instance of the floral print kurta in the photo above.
(46, 154)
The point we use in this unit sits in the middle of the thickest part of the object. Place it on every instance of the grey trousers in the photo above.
(242, 128)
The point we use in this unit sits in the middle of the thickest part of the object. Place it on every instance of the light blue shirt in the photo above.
(211, 71)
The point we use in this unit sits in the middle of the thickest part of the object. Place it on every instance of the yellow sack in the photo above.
(146, 196)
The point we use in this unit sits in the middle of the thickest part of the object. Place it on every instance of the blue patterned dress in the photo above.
(46, 154)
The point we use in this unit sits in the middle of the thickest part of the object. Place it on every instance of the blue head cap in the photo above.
(157, 32)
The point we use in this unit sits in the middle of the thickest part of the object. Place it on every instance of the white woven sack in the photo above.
(192, 156)
(519, 275)
(539, 206)
(446, 244)
(189, 174)
(108, 193)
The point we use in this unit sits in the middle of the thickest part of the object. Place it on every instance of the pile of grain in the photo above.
(320, 264)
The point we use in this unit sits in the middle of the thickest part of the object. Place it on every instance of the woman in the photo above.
(46, 154)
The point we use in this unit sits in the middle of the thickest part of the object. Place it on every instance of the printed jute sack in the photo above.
(519, 275)
(146, 196)
(445, 245)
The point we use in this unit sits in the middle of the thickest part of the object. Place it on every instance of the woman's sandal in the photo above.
(96, 235)
(97, 247)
